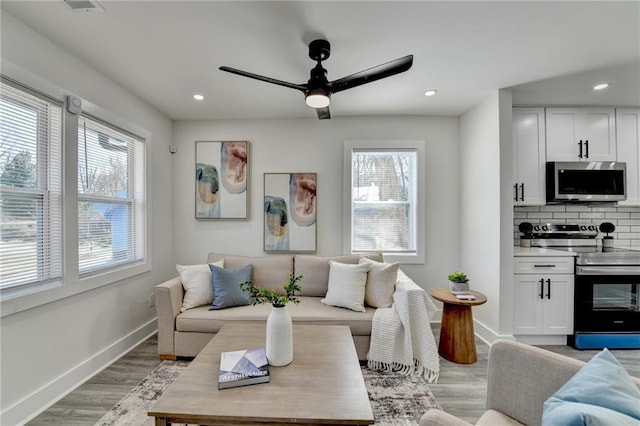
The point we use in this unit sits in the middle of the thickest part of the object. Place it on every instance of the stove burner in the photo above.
(581, 239)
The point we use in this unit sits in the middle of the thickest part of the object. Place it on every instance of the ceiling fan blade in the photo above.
(323, 113)
(301, 87)
(372, 74)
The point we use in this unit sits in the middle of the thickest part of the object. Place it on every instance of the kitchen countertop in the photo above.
(539, 251)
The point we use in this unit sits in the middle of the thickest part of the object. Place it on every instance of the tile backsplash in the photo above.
(625, 219)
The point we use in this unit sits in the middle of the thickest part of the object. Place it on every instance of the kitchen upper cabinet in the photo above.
(528, 156)
(581, 134)
(543, 296)
(628, 134)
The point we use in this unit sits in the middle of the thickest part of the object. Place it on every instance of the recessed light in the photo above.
(430, 92)
(198, 97)
(601, 86)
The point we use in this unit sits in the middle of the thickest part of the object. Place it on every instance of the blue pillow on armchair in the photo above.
(601, 393)
(226, 286)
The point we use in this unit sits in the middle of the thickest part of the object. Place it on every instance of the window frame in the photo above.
(134, 194)
(72, 282)
(48, 185)
(349, 147)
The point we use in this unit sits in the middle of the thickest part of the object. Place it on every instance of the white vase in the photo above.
(279, 345)
(458, 288)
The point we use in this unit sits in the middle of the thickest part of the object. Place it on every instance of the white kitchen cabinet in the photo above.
(581, 134)
(628, 138)
(528, 156)
(543, 298)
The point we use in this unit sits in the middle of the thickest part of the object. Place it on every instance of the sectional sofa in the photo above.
(184, 332)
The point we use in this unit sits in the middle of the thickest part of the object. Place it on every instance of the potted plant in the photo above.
(279, 339)
(527, 234)
(607, 228)
(458, 282)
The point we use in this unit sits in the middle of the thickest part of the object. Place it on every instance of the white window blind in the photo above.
(111, 196)
(383, 200)
(31, 188)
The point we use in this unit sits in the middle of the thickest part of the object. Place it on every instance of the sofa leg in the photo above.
(166, 357)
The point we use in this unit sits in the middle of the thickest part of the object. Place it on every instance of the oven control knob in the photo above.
(536, 228)
(592, 228)
(545, 228)
(583, 227)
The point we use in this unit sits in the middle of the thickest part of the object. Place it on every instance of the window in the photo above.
(384, 211)
(90, 234)
(110, 196)
(31, 188)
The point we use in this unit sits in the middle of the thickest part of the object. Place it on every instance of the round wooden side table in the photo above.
(457, 340)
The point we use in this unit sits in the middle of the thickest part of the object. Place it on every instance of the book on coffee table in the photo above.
(242, 368)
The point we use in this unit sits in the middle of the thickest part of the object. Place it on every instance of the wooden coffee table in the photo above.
(457, 339)
(323, 384)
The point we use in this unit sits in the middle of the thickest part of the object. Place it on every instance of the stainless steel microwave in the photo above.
(586, 181)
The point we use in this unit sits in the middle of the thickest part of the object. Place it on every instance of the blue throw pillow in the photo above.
(226, 286)
(601, 393)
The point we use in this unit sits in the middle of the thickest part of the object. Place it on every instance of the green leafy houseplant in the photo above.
(458, 277)
(258, 295)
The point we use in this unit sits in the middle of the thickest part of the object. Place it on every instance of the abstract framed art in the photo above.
(221, 180)
(290, 211)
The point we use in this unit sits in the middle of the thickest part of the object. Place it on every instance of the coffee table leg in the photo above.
(457, 339)
(162, 421)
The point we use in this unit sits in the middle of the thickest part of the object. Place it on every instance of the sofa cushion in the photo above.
(315, 270)
(601, 393)
(309, 311)
(196, 281)
(226, 286)
(271, 272)
(346, 285)
(381, 283)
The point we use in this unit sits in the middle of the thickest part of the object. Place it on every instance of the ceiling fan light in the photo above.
(317, 100)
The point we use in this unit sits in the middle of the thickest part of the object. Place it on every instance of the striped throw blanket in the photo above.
(401, 336)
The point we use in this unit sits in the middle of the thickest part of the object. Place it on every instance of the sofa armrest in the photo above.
(521, 377)
(440, 418)
(169, 297)
(407, 285)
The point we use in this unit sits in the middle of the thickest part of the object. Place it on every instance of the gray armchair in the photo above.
(520, 379)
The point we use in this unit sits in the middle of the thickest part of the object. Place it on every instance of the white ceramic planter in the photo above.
(279, 344)
(458, 288)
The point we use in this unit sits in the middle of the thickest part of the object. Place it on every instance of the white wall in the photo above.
(51, 348)
(480, 206)
(310, 145)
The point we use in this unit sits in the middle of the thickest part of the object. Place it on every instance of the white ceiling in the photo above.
(164, 51)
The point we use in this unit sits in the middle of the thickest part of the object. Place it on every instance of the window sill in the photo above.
(404, 259)
(36, 296)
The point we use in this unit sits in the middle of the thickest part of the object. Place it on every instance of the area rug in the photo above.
(396, 400)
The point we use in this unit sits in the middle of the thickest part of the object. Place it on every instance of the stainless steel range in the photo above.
(607, 285)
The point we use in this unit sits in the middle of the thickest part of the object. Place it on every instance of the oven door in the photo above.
(607, 299)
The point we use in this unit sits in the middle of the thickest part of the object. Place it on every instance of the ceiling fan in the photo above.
(318, 89)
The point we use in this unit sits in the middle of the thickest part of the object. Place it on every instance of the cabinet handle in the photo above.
(544, 266)
(522, 192)
(586, 150)
(548, 289)
(580, 145)
(541, 295)
(515, 187)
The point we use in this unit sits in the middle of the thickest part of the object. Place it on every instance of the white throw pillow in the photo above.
(381, 283)
(346, 286)
(196, 280)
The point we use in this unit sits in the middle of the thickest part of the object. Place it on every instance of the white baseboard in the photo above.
(33, 404)
(481, 331)
(487, 334)
(560, 340)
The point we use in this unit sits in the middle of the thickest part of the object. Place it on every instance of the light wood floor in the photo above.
(460, 390)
